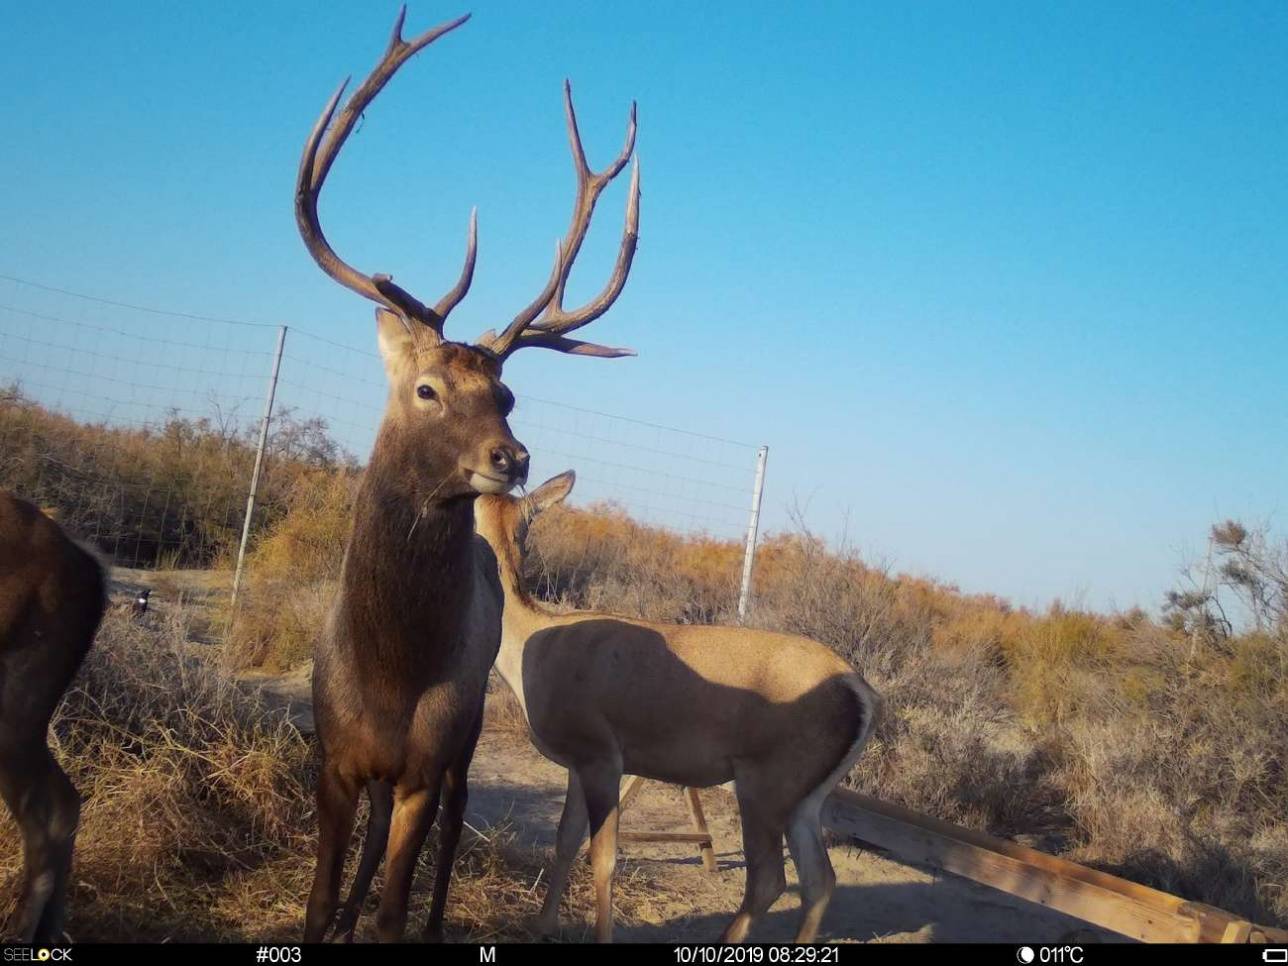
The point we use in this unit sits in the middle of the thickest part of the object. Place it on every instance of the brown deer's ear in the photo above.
(396, 342)
(552, 491)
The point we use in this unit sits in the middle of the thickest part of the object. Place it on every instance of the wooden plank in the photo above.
(854, 800)
(632, 788)
(700, 824)
(1265, 935)
(1124, 907)
(1237, 932)
(702, 838)
(1217, 925)
(1116, 904)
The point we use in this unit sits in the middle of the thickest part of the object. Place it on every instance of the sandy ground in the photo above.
(876, 898)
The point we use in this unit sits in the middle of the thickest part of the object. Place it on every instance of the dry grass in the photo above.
(501, 712)
(189, 786)
(602, 559)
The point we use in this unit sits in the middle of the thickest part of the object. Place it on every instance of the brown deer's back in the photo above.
(51, 601)
(685, 701)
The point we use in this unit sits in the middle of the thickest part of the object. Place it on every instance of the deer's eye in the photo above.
(425, 392)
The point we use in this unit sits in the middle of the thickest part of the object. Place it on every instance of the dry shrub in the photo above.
(1186, 790)
(1059, 663)
(601, 559)
(873, 620)
(277, 624)
(171, 493)
(989, 629)
(307, 543)
(291, 574)
(948, 745)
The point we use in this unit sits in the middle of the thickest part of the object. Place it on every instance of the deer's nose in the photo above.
(510, 461)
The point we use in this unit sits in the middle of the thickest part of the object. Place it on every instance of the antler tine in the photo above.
(320, 151)
(462, 286)
(558, 321)
(574, 347)
(544, 321)
(589, 185)
(398, 52)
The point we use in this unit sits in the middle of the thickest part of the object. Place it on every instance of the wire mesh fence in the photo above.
(140, 427)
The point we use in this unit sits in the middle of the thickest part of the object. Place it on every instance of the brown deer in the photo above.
(401, 667)
(783, 717)
(52, 597)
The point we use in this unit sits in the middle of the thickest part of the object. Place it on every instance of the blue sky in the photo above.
(1002, 285)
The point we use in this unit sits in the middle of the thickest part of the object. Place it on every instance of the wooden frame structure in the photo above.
(1105, 900)
(700, 835)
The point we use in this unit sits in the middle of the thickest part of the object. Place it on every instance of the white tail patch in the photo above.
(871, 703)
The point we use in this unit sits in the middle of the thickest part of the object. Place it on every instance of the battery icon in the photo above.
(1274, 955)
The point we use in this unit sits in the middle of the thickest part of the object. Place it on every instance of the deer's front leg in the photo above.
(572, 832)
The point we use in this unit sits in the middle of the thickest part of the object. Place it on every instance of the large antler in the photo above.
(320, 152)
(545, 322)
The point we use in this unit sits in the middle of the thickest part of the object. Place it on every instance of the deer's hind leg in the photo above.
(762, 847)
(601, 781)
(47, 809)
(813, 866)
(41, 648)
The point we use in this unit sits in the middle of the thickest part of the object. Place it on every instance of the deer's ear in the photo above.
(552, 491)
(395, 341)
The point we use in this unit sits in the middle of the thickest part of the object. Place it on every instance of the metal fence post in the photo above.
(749, 556)
(259, 462)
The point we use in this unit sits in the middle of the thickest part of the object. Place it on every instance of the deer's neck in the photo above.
(407, 582)
(521, 617)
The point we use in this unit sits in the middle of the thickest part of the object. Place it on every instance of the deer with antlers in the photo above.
(52, 598)
(783, 717)
(400, 670)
